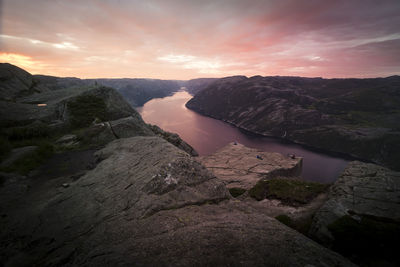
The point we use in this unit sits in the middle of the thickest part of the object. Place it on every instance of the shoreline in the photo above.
(337, 154)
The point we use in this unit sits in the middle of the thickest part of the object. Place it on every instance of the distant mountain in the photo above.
(359, 117)
(16, 82)
(196, 85)
(136, 91)
(139, 91)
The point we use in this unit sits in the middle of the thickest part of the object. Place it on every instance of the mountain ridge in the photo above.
(352, 116)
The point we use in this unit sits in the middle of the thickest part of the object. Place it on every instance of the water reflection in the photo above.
(207, 135)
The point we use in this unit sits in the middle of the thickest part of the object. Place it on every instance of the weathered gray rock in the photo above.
(105, 132)
(18, 153)
(130, 126)
(362, 189)
(67, 140)
(13, 187)
(174, 139)
(238, 166)
(147, 203)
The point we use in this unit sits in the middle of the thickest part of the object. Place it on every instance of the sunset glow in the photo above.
(191, 39)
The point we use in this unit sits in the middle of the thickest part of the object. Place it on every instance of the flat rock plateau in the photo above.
(243, 167)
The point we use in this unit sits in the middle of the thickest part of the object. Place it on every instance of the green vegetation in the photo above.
(235, 192)
(367, 238)
(30, 161)
(289, 191)
(311, 107)
(34, 130)
(85, 109)
(89, 137)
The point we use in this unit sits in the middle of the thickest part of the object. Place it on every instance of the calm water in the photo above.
(207, 135)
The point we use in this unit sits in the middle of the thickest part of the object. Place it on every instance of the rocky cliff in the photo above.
(353, 116)
(85, 182)
(146, 203)
(361, 218)
(95, 114)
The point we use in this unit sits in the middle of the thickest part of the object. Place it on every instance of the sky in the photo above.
(185, 39)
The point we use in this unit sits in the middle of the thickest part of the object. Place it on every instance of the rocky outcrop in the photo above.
(362, 189)
(242, 167)
(354, 116)
(174, 139)
(100, 112)
(15, 82)
(361, 218)
(55, 105)
(146, 203)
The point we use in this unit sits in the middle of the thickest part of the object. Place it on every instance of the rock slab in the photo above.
(242, 167)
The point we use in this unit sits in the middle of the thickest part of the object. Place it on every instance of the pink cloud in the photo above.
(127, 38)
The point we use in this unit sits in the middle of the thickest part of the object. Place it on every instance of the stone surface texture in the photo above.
(363, 189)
(238, 166)
(146, 203)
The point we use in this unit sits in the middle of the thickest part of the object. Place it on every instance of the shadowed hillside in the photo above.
(354, 116)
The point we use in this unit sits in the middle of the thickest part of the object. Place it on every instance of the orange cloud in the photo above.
(25, 62)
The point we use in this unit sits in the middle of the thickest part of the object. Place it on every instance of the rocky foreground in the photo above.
(145, 203)
(361, 218)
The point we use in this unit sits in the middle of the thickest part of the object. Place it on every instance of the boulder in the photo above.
(363, 189)
(242, 167)
(148, 203)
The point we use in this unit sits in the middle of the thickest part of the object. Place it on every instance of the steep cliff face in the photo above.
(45, 107)
(353, 116)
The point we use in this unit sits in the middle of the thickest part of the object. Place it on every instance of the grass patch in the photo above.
(30, 161)
(289, 191)
(236, 191)
(368, 239)
(34, 130)
(89, 137)
(85, 109)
